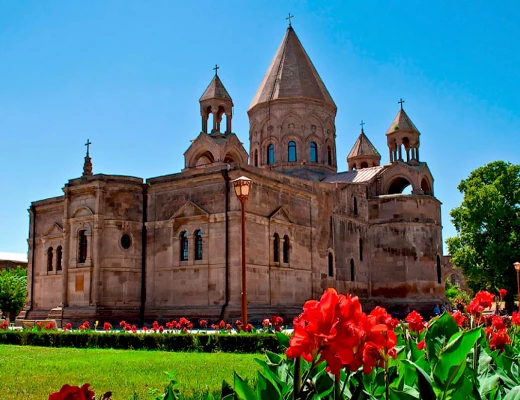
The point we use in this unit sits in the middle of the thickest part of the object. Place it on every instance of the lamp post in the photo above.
(242, 186)
(517, 267)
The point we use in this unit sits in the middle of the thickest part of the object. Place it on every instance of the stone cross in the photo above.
(216, 69)
(401, 101)
(88, 146)
(289, 18)
(362, 124)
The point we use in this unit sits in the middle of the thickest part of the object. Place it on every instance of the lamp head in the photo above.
(517, 266)
(242, 186)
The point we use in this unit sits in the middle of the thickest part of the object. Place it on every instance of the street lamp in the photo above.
(242, 186)
(517, 267)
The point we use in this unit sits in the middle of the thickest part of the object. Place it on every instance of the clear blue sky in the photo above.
(128, 76)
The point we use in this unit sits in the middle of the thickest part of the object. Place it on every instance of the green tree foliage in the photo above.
(488, 227)
(13, 291)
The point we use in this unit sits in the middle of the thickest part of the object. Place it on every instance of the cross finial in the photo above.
(216, 69)
(88, 146)
(401, 101)
(289, 19)
(362, 123)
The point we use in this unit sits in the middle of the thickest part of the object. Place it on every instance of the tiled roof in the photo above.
(291, 75)
(357, 176)
(215, 90)
(13, 257)
(363, 147)
(402, 122)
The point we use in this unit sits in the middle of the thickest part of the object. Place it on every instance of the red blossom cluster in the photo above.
(482, 300)
(336, 330)
(158, 328)
(240, 328)
(459, 318)
(277, 323)
(515, 319)
(67, 327)
(85, 326)
(107, 326)
(203, 323)
(68, 392)
(4, 325)
(50, 326)
(415, 322)
(497, 338)
(502, 293)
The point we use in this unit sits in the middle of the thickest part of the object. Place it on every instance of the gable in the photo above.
(83, 211)
(55, 230)
(281, 215)
(189, 209)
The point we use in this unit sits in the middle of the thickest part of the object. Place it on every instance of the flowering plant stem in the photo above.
(297, 377)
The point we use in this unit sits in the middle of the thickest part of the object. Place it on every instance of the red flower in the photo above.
(421, 345)
(459, 318)
(499, 340)
(86, 324)
(502, 293)
(122, 324)
(515, 319)
(67, 327)
(190, 325)
(145, 328)
(228, 327)
(134, 328)
(184, 330)
(415, 321)
(277, 322)
(4, 325)
(169, 325)
(266, 323)
(128, 327)
(481, 301)
(498, 323)
(214, 326)
(49, 326)
(107, 326)
(155, 326)
(68, 392)
(203, 323)
(161, 329)
(380, 316)
(222, 324)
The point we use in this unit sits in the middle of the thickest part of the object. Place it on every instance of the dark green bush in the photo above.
(207, 343)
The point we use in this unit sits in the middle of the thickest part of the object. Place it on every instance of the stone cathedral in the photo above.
(117, 247)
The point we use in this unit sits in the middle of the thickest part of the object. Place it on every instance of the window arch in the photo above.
(49, 259)
(329, 155)
(291, 150)
(360, 249)
(439, 271)
(59, 257)
(352, 271)
(286, 246)
(270, 154)
(198, 244)
(276, 248)
(256, 158)
(331, 264)
(184, 245)
(82, 246)
(314, 152)
(355, 206)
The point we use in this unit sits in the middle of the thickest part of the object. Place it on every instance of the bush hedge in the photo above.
(207, 343)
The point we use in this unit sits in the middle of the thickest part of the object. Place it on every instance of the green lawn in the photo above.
(34, 372)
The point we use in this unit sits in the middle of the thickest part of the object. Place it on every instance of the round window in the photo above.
(126, 241)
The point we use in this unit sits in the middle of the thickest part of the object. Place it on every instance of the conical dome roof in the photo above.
(402, 122)
(363, 147)
(215, 90)
(291, 75)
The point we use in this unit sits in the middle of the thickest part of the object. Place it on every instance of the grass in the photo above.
(34, 372)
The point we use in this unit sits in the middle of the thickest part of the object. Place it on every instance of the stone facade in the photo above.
(120, 247)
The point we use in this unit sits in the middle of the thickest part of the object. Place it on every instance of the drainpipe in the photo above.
(225, 174)
(143, 254)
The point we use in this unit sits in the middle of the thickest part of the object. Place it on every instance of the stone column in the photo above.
(97, 249)
(66, 253)
(400, 153)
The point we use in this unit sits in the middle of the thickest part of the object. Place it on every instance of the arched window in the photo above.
(49, 259)
(286, 249)
(270, 154)
(329, 155)
(82, 246)
(439, 272)
(352, 272)
(314, 152)
(331, 264)
(276, 248)
(360, 249)
(59, 256)
(355, 206)
(198, 244)
(256, 158)
(184, 246)
(292, 151)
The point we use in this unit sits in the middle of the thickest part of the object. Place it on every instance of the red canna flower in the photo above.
(67, 327)
(215, 326)
(482, 300)
(145, 329)
(122, 324)
(502, 293)
(4, 325)
(499, 340)
(134, 328)
(380, 316)
(49, 326)
(222, 324)
(415, 322)
(161, 329)
(203, 323)
(459, 318)
(277, 322)
(107, 326)
(421, 345)
(515, 319)
(498, 323)
(228, 327)
(184, 330)
(266, 323)
(68, 392)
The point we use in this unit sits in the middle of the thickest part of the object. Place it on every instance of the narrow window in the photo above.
(256, 158)
(82, 242)
(329, 155)
(292, 151)
(270, 154)
(49, 259)
(314, 152)
(439, 272)
(331, 264)
(286, 249)
(352, 272)
(276, 248)
(184, 246)
(59, 256)
(355, 206)
(360, 249)
(198, 245)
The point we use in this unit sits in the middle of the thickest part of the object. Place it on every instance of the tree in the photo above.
(488, 227)
(13, 291)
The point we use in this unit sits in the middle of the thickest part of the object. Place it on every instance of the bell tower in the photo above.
(216, 102)
(402, 138)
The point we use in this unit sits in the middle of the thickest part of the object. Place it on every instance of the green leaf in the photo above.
(242, 390)
(408, 393)
(424, 382)
(273, 358)
(488, 384)
(267, 388)
(227, 389)
(513, 394)
(283, 339)
(438, 334)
